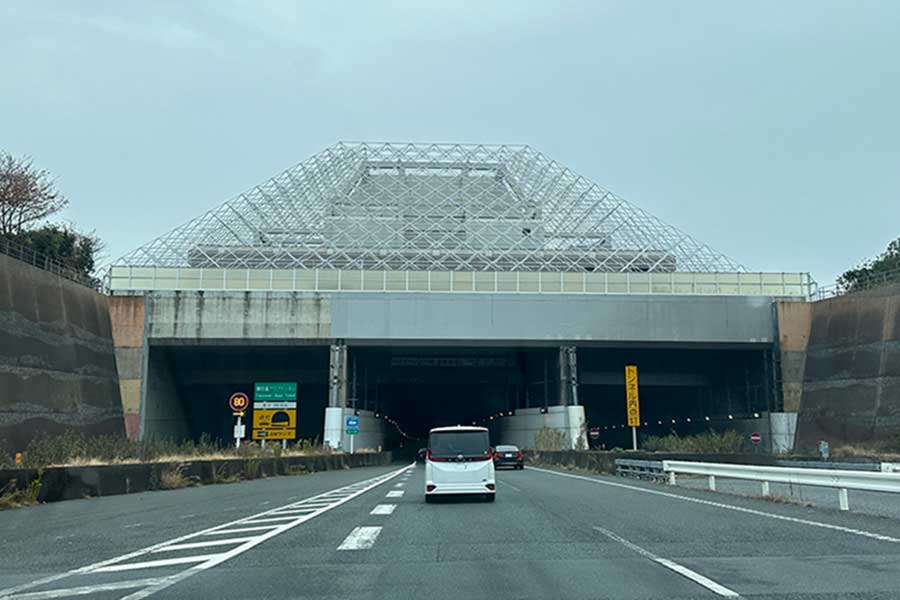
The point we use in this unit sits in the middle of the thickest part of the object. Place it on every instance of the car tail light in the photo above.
(478, 458)
(490, 486)
(433, 458)
(430, 488)
(520, 456)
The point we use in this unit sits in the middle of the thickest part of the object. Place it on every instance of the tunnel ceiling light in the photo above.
(707, 418)
(659, 422)
(730, 416)
(673, 420)
(688, 419)
(755, 415)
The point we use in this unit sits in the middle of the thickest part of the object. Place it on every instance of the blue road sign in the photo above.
(352, 422)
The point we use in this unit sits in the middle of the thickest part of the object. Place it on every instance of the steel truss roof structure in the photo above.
(430, 207)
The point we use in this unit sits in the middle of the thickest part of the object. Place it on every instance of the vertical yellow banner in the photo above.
(632, 405)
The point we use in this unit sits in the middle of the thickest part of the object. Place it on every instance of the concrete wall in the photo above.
(371, 430)
(127, 316)
(464, 317)
(851, 387)
(238, 315)
(520, 428)
(162, 411)
(793, 338)
(57, 366)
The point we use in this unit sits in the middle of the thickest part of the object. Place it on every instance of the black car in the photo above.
(508, 456)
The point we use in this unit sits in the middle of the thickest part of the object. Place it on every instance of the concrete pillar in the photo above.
(337, 396)
(563, 366)
(337, 375)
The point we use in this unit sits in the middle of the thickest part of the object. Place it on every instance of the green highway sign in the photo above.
(352, 431)
(276, 392)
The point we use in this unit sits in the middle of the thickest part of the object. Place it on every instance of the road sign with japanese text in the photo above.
(632, 405)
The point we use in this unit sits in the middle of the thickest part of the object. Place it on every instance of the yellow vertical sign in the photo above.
(632, 405)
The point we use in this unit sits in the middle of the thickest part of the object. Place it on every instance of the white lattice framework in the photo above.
(435, 207)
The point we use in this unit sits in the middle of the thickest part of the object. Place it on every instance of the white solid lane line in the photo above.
(750, 511)
(509, 485)
(89, 589)
(203, 544)
(209, 561)
(152, 564)
(394, 494)
(697, 578)
(242, 530)
(361, 538)
(383, 509)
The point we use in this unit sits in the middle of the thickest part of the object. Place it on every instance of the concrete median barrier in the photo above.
(68, 483)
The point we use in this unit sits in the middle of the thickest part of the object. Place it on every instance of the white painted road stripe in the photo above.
(90, 589)
(361, 538)
(203, 544)
(241, 530)
(750, 511)
(383, 509)
(394, 494)
(270, 520)
(697, 578)
(152, 564)
(509, 485)
(9, 593)
(399, 484)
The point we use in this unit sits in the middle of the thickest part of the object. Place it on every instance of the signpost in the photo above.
(632, 405)
(275, 411)
(352, 429)
(595, 433)
(238, 403)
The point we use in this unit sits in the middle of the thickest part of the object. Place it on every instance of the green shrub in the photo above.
(711, 442)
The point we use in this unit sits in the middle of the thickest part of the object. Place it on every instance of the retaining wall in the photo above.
(57, 366)
(851, 385)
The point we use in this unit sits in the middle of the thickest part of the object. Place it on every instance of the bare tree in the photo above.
(27, 194)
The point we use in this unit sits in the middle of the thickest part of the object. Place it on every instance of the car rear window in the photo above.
(450, 444)
(507, 449)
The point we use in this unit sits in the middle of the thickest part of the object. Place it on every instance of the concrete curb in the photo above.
(68, 483)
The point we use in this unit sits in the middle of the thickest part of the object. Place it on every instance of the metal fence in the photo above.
(136, 279)
(47, 263)
(869, 282)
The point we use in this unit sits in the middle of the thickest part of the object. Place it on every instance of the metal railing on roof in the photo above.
(127, 280)
(45, 262)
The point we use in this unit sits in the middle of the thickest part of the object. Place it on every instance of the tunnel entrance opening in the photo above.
(683, 391)
(417, 388)
(188, 387)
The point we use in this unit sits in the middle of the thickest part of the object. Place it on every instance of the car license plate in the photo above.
(508, 455)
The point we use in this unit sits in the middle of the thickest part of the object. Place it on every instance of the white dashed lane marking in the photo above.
(361, 538)
(395, 494)
(694, 576)
(222, 539)
(383, 509)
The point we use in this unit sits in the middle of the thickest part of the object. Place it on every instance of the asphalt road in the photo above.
(548, 535)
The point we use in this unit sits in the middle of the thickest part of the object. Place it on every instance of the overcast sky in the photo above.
(769, 130)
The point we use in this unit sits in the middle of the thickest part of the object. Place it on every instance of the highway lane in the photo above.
(42, 540)
(548, 535)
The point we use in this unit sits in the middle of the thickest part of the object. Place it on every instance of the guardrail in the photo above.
(45, 262)
(641, 469)
(842, 480)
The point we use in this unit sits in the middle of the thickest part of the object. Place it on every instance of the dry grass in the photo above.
(12, 497)
(173, 478)
(77, 450)
(885, 452)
